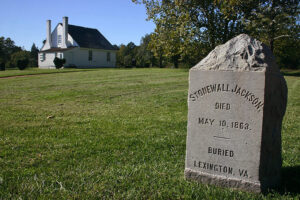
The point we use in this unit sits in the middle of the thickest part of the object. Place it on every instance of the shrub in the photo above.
(58, 62)
(9, 64)
(22, 64)
(20, 59)
(287, 53)
(2, 65)
(33, 62)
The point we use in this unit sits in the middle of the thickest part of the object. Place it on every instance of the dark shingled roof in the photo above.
(89, 38)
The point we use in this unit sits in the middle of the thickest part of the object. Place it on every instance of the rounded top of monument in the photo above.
(241, 53)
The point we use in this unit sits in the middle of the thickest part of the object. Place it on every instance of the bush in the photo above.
(22, 64)
(2, 66)
(9, 64)
(287, 53)
(33, 62)
(58, 62)
(20, 59)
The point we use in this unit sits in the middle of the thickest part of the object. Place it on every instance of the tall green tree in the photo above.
(273, 20)
(7, 48)
(126, 56)
(34, 56)
(130, 52)
(156, 47)
(185, 26)
(121, 55)
(144, 56)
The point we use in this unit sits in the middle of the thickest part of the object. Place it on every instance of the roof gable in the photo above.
(89, 38)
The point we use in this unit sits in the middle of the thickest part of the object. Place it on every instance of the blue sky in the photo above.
(120, 21)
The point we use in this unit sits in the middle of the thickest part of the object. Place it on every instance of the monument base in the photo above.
(222, 181)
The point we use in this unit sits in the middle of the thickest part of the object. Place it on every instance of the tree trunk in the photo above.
(175, 61)
(160, 61)
(272, 45)
(176, 64)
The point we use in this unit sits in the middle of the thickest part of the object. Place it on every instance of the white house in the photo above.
(81, 47)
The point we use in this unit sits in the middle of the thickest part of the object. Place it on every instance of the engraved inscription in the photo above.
(243, 173)
(204, 121)
(224, 123)
(249, 96)
(214, 167)
(216, 120)
(222, 87)
(220, 152)
(240, 125)
(209, 89)
(222, 106)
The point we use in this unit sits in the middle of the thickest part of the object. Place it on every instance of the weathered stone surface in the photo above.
(241, 53)
(237, 99)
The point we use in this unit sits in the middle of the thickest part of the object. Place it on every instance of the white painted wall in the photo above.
(48, 62)
(80, 58)
(54, 35)
(72, 42)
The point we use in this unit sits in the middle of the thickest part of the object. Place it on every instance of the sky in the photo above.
(120, 21)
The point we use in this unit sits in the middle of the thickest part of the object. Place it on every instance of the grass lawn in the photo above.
(35, 71)
(113, 134)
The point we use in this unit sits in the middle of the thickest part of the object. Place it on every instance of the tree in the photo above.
(20, 59)
(272, 20)
(166, 38)
(126, 56)
(188, 30)
(156, 48)
(2, 65)
(121, 55)
(34, 56)
(7, 48)
(185, 26)
(287, 52)
(144, 56)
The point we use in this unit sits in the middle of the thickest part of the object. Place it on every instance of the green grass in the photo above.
(36, 71)
(290, 72)
(112, 134)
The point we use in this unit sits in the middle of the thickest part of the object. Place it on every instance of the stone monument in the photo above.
(236, 102)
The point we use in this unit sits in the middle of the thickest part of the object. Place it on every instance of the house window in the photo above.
(58, 39)
(108, 56)
(58, 55)
(42, 57)
(90, 55)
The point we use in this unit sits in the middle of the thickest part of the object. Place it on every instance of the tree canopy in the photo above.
(187, 30)
(12, 56)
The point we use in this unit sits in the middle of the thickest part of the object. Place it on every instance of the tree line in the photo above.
(187, 30)
(12, 56)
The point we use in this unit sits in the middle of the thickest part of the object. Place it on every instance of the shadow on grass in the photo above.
(290, 180)
(44, 73)
(291, 73)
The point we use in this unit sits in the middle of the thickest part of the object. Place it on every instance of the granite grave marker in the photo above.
(236, 101)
